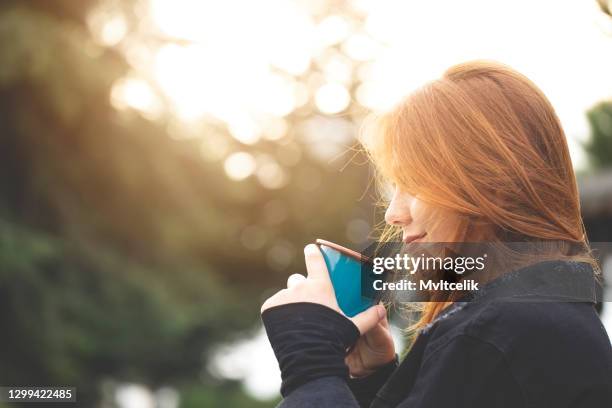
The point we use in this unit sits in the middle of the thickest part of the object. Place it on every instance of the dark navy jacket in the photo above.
(530, 339)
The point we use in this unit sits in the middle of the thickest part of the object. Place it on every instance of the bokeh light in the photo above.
(239, 165)
(332, 98)
(166, 161)
(136, 93)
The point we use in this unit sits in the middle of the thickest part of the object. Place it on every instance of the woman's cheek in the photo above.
(420, 213)
(439, 225)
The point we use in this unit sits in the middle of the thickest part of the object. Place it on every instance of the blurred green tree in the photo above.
(120, 248)
(599, 146)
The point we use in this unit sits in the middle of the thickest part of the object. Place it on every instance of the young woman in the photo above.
(478, 155)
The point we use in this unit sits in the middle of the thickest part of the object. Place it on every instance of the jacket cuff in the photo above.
(365, 388)
(310, 341)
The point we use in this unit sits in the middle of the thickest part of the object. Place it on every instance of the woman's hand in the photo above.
(317, 288)
(373, 349)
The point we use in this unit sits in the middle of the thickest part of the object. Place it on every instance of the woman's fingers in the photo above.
(377, 337)
(315, 263)
(294, 279)
(384, 322)
(274, 300)
(316, 288)
(369, 319)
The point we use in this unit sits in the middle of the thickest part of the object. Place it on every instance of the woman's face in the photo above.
(419, 221)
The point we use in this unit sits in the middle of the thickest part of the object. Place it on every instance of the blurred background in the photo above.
(165, 161)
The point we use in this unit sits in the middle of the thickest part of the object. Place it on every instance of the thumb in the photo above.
(367, 319)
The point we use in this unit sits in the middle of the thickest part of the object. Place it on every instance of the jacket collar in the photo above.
(547, 281)
(556, 280)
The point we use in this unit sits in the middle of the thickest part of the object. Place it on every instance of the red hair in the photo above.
(484, 142)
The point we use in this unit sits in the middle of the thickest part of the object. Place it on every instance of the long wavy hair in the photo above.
(483, 142)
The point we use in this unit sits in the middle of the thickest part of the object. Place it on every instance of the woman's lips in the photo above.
(410, 238)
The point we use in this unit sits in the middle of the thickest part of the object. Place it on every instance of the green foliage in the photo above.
(78, 316)
(225, 395)
(599, 147)
(120, 248)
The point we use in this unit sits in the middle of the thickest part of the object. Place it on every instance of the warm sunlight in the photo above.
(195, 189)
(241, 80)
(248, 64)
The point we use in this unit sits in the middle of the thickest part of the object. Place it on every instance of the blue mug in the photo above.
(351, 276)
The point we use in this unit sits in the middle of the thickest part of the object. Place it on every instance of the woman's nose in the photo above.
(398, 211)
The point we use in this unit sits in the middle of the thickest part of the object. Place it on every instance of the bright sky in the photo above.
(561, 45)
(244, 57)
(241, 64)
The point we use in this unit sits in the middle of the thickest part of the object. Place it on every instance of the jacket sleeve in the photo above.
(310, 342)
(326, 392)
(466, 372)
(365, 388)
(336, 392)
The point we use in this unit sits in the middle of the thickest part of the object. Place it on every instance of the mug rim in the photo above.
(343, 250)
